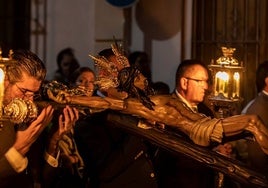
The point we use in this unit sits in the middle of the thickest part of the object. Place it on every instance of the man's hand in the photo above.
(25, 138)
(225, 149)
(66, 122)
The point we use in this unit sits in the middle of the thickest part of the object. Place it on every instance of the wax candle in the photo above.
(2, 78)
(236, 88)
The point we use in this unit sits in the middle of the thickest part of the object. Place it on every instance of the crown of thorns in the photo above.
(107, 71)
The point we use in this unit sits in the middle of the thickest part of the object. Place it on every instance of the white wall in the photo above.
(89, 25)
(69, 24)
(166, 55)
(109, 23)
(166, 58)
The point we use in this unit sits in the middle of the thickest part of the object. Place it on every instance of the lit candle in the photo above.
(221, 85)
(219, 82)
(225, 78)
(236, 89)
(216, 85)
(2, 78)
(222, 82)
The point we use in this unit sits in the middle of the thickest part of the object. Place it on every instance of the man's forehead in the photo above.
(29, 81)
(25, 77)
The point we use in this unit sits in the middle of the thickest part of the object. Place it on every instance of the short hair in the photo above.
(161, 88)
(27, 62)
(67, 51)
(141, 60)
(261, 74)
(185, 65)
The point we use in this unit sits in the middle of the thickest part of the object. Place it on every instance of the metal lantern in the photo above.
(226, 73)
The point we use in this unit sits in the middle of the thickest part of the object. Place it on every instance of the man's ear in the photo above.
(183, 83)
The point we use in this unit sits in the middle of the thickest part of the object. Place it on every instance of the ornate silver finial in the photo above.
(20, 111)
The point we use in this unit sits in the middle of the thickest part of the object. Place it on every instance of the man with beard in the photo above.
(25, 160)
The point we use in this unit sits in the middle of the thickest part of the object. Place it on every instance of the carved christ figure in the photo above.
(139, 101)
(168, 110)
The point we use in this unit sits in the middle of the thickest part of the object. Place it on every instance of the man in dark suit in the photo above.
(23, 79)
(191, 85)
(257, 159)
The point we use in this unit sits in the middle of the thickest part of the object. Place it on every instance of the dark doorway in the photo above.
(15, 25)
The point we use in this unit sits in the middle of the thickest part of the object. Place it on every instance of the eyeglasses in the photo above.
(27, 93)
(198, 81)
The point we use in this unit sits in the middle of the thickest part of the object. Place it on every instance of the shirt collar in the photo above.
(265, 92)
(193, 108)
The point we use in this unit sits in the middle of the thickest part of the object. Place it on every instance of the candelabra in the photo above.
(226, 74)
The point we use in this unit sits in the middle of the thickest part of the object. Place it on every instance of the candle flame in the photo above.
(2, 75)
(236, 76)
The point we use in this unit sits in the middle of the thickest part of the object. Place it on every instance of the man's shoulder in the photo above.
(259, 103)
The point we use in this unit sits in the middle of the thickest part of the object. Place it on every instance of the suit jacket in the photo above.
(8, 176)
(37, 171)
(114, 158)
(178, 170)
(256, 157)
